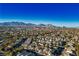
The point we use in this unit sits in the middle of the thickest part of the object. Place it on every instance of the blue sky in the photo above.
(56, 14)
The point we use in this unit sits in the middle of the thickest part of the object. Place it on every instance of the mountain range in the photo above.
(22, 24)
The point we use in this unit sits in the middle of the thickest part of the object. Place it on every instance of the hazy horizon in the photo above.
(55, 24)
